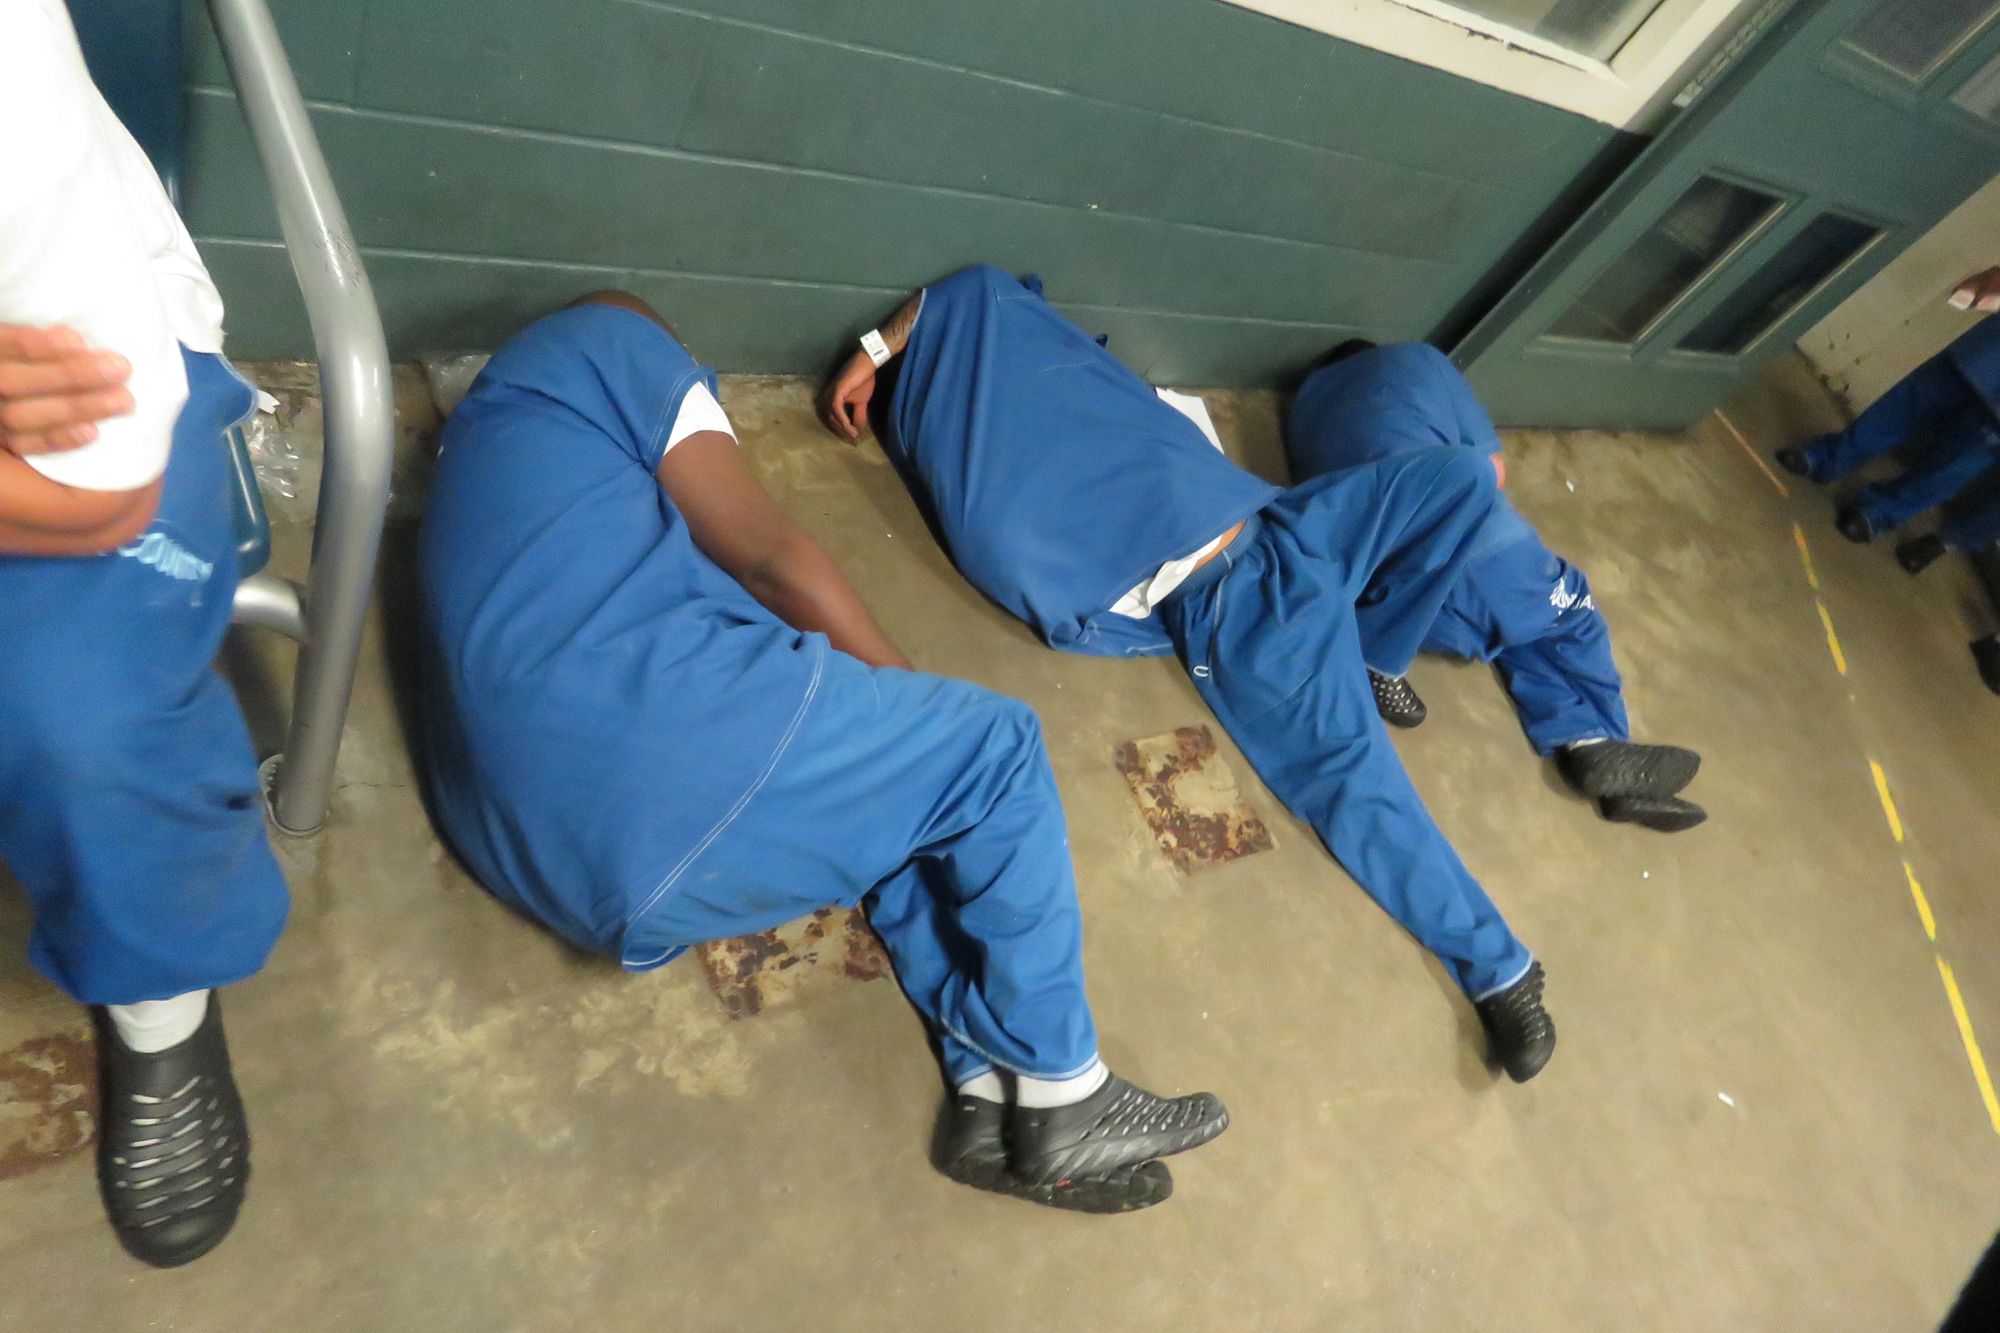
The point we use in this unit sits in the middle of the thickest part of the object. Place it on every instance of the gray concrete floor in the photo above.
(1761, 1115)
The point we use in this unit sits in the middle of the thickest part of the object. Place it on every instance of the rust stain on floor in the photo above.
(48, 1101)
(753, 972)
(1189, 797)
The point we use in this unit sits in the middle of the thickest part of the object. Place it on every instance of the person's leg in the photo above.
(1974, 529)
(130, 812)
(1925, 394)
(1275, 650)
(933, 800)
(1967, 445)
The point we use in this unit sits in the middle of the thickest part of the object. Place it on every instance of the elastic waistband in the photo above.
(1215, 570)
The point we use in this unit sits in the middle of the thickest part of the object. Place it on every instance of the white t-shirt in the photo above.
(89, 239)
(699, 412)
(1139, 603)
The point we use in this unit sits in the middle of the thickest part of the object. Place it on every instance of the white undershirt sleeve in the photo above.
(699, 412)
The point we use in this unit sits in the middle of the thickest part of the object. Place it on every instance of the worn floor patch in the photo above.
(1190, 799)
(48, 1099)
(753, 972)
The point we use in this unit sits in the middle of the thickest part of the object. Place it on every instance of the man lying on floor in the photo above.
(1517, 604)
(1069, 493)
(656, 714)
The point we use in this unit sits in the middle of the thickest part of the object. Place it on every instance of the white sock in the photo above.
(154, 1025)
(987, 1087)
(1586, 741)
(1042, 1092)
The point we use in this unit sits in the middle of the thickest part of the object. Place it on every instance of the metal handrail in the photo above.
(359, 403)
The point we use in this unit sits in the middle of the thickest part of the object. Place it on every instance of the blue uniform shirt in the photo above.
(601, 698)
(1394, 400)
(1055, 477)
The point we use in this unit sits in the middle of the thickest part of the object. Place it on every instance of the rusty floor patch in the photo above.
(751, 973)
(48, 1100)
(1189, 797)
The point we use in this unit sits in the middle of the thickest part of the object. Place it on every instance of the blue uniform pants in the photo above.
(1531, 614)
(1273, 632)
(931, 802)
(1934, 400)
(129, 803)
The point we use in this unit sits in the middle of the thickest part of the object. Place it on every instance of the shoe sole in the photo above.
(1086, 1159)
(1678, 821)
(1125, 1190)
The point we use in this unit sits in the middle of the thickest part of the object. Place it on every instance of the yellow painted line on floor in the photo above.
(1832, 639)
(1923, 903)
(1965, 1034)
(1805, 555)
(1888, 801)
(1755, 457)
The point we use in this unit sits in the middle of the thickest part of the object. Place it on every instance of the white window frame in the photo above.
(1626, 90)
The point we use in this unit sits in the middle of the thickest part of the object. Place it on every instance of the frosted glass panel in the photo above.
(1913, 37)
(1775, 290)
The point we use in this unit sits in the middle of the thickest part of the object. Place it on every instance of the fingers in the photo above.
(71, 372)
(25, 342)
(27, 416)
(48, 442)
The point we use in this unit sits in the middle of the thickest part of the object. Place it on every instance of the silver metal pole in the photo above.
(358, 398)
(269, 602)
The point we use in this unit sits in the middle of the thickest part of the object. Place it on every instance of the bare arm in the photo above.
(43, 517)
(736, 523)
(844, 404)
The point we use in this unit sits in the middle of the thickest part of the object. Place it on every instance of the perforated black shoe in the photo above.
(1395, 700)
(1917, 555)
(1852, 524)
(1986, 657)
(1795, 461)
(1621, 768)
(1662, 814)
(173, 1146)
(1520, 1035)
(1118, 1125)
(972, 1150)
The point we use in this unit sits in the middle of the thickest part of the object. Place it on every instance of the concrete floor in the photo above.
(1761, 1115)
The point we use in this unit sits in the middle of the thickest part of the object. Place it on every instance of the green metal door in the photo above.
(1841, 134)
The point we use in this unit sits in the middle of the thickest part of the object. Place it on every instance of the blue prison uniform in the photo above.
(624, 744)
(1517, 604)
(1058, 481)
(129, 801)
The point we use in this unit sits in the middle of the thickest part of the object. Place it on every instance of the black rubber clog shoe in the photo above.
(1662, 814)
(1621, 768)
(972, 1150)
(1118, 1125)
(173, 1145)
(1395, 700)
(1520, 1035)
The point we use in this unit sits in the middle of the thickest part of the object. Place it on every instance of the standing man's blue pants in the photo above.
(1272, 634)
(129, 802)
(1935, 400)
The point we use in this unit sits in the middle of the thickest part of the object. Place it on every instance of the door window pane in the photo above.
(1701, 227)
(1594, 28)
(1775, 290)
(1913, 37)
(1981, 93)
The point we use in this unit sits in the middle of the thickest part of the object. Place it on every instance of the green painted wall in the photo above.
(1223, 193)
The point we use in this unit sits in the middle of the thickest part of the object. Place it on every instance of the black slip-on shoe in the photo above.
(1917, 556)
(1662, 814)
(1622, 768)
(1986, 657)
(1794, 461)
(173, 1145)
(1852, 524)
(1520, 1035)
(972, 1150)
(1118, 1125)
(1395, 700)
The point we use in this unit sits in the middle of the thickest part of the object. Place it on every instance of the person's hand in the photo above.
(1500, 470)
(54, 388)
(1979, 292)
(844, 404)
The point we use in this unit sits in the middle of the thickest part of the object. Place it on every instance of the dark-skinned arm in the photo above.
(736, 523)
